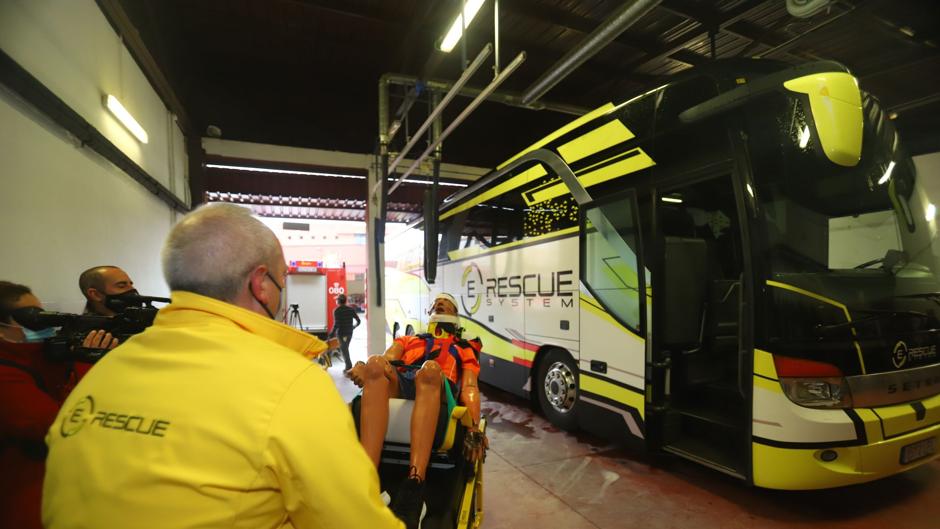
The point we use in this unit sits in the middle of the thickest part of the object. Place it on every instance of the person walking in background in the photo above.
(343, 316)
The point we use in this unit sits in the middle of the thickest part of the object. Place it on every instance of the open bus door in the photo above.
(699, 359)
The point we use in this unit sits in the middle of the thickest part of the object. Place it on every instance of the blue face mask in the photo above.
(38, 336)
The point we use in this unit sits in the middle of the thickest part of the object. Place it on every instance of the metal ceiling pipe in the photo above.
(513, 99)
(609, 30)
(494, 84)
(464, 77)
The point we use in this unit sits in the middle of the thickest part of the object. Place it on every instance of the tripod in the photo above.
(293, 317)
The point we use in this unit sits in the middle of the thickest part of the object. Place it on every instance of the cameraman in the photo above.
(32, 388)
(101, 283)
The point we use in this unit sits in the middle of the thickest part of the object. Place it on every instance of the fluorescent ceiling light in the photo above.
(315, 173)
(885, 177)
(674, 200)
(456, 29)
(282, 171)
(931, 212)
(804, 137)
(750, 190)
(125, 118)
(426, 183)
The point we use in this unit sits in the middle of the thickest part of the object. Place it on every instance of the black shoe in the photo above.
(408, 504)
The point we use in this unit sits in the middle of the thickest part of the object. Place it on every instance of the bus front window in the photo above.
(849, 265)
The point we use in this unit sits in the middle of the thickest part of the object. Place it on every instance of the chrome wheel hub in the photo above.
(560, 387)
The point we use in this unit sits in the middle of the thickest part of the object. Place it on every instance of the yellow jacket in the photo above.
(210, 418)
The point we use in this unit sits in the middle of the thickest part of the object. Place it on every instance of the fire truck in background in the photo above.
(311, 295)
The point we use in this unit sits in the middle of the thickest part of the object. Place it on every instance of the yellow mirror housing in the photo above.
(836, 104)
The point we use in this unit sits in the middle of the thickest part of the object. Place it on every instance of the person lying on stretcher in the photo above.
(416, 368)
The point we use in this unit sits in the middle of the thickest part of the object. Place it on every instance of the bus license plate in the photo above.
(918, 450)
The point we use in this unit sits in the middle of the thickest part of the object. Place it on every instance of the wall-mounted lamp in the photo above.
(125, 117)
(470, 9)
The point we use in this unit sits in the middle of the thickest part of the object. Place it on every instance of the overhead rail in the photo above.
(610, 29)
(494, 84)
(464, 77)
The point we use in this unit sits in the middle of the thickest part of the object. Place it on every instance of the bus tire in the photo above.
(557, 387)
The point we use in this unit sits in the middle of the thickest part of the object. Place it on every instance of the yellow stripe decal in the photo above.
(590, 116)
(634, 163)
(494, 345)
(769, 385)
(872, 424)
(519, 180)
(592, 307)
(597, 140)
(764, 364)
(613, 392)
(848, 317)
(478, 251)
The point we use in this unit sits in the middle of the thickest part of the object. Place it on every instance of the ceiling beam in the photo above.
(665, 49)
(556, 16)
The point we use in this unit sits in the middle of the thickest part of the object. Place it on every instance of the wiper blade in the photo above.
(877, 315)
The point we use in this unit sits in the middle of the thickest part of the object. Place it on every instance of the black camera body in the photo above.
(133, 315)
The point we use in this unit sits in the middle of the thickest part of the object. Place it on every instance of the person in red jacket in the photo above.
(32, 388)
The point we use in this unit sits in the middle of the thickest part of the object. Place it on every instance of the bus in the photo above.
(737, 267)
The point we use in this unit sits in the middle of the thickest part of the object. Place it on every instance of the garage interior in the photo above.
(319, 110)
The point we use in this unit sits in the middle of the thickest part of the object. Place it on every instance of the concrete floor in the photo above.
(539, 477)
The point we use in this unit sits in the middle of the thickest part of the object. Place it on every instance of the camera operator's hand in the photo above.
(100, 339)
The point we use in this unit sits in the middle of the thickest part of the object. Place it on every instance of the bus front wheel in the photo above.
(558, 389)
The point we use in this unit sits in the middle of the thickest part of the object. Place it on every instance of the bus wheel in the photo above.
(409, 330)
(558, 389)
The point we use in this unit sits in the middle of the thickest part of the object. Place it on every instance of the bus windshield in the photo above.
(849, 260)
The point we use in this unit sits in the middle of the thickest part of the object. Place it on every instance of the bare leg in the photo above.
(424, 416)
(381, 383)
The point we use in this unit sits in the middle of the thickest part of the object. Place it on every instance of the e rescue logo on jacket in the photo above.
(83, 412)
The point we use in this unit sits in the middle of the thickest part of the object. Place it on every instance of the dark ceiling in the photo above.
(304, 72)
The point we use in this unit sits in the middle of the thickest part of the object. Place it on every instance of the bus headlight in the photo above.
(831, 392)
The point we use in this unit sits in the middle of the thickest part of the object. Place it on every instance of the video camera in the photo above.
(134, 313)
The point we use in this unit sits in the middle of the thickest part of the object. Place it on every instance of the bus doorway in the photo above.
(698, 406)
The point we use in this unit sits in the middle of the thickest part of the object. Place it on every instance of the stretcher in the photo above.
(453, 489)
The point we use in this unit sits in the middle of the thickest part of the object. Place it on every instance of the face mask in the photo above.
(278, 314)
(32, 336)
(120, 302)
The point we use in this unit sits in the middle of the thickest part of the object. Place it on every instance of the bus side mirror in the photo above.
(430, 237)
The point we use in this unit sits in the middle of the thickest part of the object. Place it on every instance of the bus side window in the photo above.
(550, 215)
(494, 222)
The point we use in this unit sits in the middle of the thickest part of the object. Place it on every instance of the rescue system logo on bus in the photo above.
(516, 290)
(902, 353)
(83, 412)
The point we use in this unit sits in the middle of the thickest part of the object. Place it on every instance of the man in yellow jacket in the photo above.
(214, 416)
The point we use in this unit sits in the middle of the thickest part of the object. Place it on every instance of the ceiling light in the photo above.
(125, 118)
(931, 212)
(885, 177)
(750, 190)
(470, 9)
(281, 171)
(804, 137)
(674, 200)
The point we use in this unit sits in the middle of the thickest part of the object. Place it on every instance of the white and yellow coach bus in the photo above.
(738, 267)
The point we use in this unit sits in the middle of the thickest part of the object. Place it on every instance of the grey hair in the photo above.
(213, 248)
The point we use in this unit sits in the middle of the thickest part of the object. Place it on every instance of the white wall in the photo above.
(63, 207)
